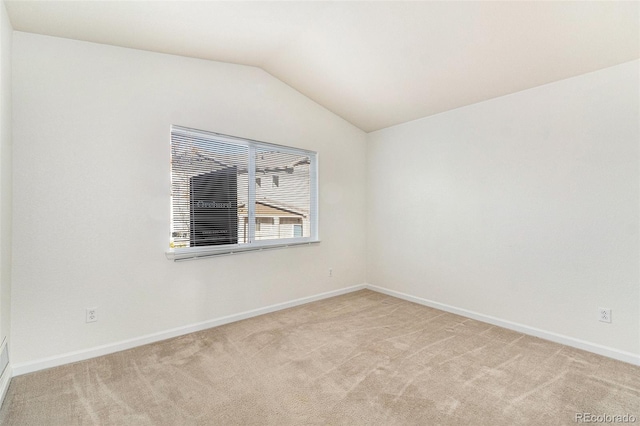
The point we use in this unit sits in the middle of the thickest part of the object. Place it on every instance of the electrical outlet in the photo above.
(330, 272)
(92, 315)
(604, 314)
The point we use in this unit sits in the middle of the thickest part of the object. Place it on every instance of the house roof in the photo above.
(273, 208)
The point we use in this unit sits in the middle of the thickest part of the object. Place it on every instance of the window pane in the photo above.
(287, 202)
(208, 191)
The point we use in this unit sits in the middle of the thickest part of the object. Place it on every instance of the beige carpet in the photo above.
(362, 358)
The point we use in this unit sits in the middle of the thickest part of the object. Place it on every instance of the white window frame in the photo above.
(189, 253)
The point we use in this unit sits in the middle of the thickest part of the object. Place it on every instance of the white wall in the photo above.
(91, 193)
(6, 33)
(524, 208)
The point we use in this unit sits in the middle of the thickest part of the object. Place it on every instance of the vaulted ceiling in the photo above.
(376, 64)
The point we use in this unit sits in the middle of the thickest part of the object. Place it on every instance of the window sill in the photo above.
(178, 255)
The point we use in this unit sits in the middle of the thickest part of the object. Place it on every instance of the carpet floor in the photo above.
(359, 359)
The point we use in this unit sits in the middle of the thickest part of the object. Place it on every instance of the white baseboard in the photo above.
(609, 352)
(81, 355)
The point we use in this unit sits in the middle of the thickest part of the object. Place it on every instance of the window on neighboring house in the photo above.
(214, 210)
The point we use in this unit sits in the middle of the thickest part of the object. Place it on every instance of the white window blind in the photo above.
(224, 198)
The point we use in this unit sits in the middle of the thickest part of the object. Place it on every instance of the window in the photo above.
(214, 209)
